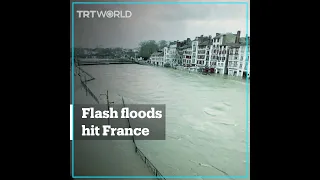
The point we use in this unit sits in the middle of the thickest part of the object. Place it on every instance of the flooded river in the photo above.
(206, 116)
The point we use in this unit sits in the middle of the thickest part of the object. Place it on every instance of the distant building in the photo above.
(171, 55)
(234, 60)
(244, 61)
(202, 52)
(157, 58)
(221, 46)
(185, 52)
(238, 64)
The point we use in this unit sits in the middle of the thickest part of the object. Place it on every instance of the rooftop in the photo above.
(204, 40)
(159, 53)
(184, 44)
(242, 42)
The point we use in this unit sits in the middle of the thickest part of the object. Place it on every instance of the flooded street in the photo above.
(206, 116)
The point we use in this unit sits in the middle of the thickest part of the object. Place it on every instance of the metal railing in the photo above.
(83, 71)
(89, 91)
(108, 103)
(84, 85)
(150, 166)
(79, 70)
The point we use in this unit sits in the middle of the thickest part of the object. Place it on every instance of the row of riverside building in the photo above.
(224, 53)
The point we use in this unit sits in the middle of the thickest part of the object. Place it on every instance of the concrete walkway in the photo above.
(109, 157)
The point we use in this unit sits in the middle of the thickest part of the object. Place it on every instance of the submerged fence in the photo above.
(150, 166)
(79, 70)
(88, 91)
(84, 85)
(83, 71)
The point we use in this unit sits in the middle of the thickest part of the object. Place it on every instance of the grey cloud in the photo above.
(157, 22)
(199, 12)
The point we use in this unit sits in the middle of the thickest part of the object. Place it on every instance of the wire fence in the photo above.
(150, 166)
(83, 71)
(88, 91)
(79, 71)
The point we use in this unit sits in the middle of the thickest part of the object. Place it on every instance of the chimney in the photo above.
(217, 34)
(238, 37)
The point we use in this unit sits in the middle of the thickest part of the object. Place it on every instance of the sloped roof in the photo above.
(159, 53)
(218, 36)
(229, 38)
(185, 46)
(242, 42)
(205, 43)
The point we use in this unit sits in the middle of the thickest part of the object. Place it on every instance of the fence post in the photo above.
(85, 80)
(108, 105)
(145, 159)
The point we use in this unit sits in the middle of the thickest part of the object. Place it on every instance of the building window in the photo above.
(218, 40)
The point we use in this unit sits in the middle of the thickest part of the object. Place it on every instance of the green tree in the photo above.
(147, 48)
(162, 44)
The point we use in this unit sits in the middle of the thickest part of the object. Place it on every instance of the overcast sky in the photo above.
(158, 22)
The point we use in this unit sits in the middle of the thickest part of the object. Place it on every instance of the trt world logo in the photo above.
(103, 14)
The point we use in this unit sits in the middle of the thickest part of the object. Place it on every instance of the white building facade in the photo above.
(171, 54)
(219, 53)
(239, 60)
(201, 52)
(234, 61)
(194, 55)
(221, 50)
(157, 58)
(244, 68)
(186, 57)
